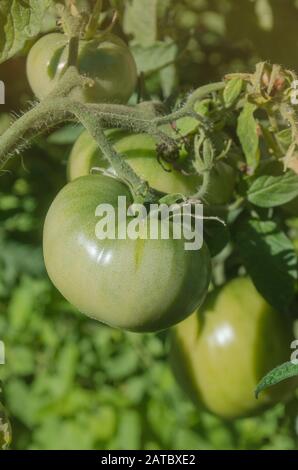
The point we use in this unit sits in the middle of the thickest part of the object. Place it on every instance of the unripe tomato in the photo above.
(138, 285)
(5, 429)
(107, 61)
(220, 353)
(140, 152)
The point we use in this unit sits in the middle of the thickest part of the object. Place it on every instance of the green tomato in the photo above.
(140, 153)
(137, 285)
(5, 429)
(107, 61)
(220, 353)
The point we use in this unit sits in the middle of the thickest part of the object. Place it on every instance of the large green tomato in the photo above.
(107, 61)
(138, 285)
(140, 152)
(220, 353)
(5, 429)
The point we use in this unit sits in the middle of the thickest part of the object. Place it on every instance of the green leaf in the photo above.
(140, 20)
(272, 191)
(188, 125)
(278, 374)
(155, 56)
(270, 259)
(20, 20)
(284, 138)
(248, 136)
(232, 91)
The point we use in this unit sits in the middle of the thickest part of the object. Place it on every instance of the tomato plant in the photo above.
(221, 352)
(139, 285)
(103, 60)
(140, 152)
(231, 145)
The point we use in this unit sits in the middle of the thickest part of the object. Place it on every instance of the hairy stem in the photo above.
(205, 185)
(95, 117)
(69, 80)
(139, 187)
(38, 119)
(73, 51)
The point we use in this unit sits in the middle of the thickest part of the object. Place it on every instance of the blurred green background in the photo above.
(72, 383)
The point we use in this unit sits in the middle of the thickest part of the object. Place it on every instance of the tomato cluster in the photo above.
(144, 285)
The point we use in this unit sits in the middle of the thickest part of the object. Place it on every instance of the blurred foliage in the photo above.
(197, 41)
(72, 383)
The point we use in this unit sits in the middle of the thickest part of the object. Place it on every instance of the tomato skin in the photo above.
(220, 353)
(140, 153)
(137, 285)
(108, 62)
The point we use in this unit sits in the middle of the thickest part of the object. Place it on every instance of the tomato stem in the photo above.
(139, 187)
(73, 51)
(58, 107)
(205, 185)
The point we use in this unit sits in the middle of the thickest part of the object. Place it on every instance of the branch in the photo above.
(57, 107)
(139, 187)
(31, 124)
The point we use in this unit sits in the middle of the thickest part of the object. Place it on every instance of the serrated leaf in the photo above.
(140, 20)
(272, 191)
(20, 20)
(232, 91)
(248, 135)
(278, 374)
(154, 57)
(270, 259)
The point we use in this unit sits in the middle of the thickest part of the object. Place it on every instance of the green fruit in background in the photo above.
(220, 353)
(5, 429)
(107, 61)
(134, 284)
(140, 153)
